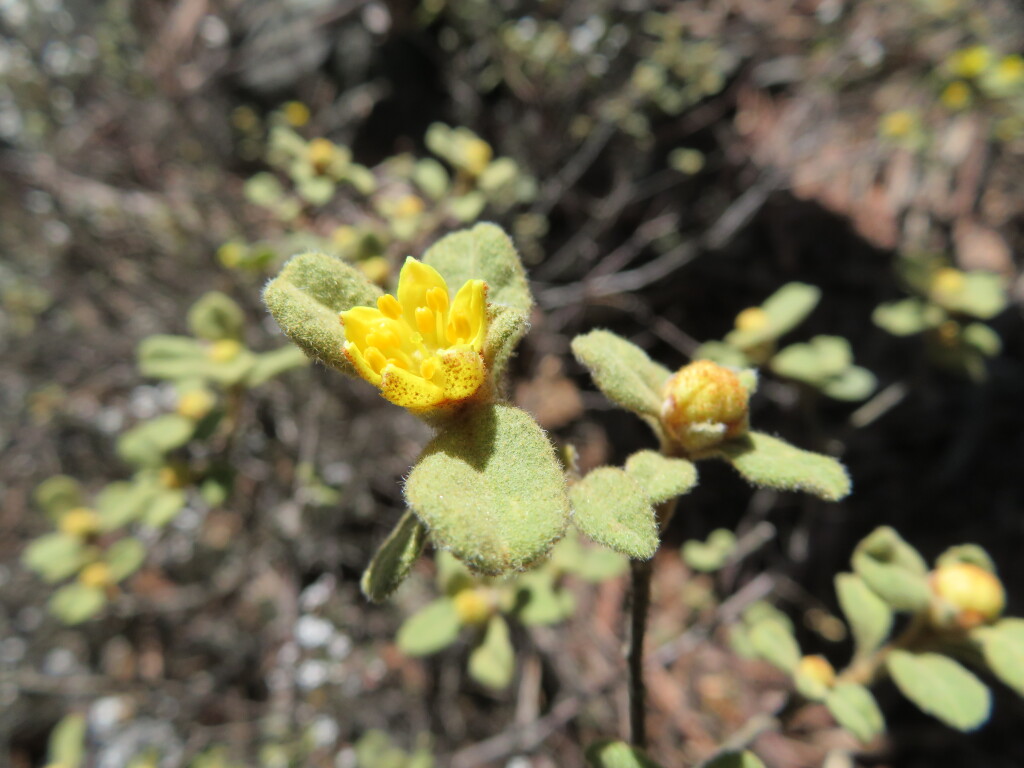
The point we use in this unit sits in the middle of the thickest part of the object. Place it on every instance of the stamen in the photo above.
(437, 300)
(375, 359)
(389, 306)
(459, 330)
(425, 321)
(399, 363)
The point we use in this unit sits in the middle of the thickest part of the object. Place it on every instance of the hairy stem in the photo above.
(640, 571)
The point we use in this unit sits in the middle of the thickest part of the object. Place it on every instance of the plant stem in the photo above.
(866, 670)
(640, 571)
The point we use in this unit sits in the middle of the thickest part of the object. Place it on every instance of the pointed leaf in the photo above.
(661, 478)
(394, 559)
(307, 297)
(485, 253)
(773, 463)
(868, 615)
(617, 754)
(622, 371)
(774, 642)
(430, 629)
(491, 490)
(941, 687)
(493, 662)
(611, 508)
(856, 710)
(1002, 646)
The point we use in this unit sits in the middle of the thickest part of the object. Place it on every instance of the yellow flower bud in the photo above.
(408, 206)
(196, 404)
(818, 669)
(225, 350)
(376, 268)
(422, 349)
(173, 475)
(296, 114)
(320, 153)
(956, 95)
(96, 575)
(474, 605)
(79, 522)
(947, 282)
(231, 254)
(704, 404)
(970, 62)
(751, 319)
(967, 594)
(476, 156)
(898, 125)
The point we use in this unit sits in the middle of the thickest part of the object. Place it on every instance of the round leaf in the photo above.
(941, 687)
(611, 508)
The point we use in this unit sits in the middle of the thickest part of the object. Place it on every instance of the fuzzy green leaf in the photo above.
(710, 555)
(855, 383)
(394, 558)
(269, 365)
(172, 357)
(216, 316)
(163, 507)
(767, 461)
(57, 494)
(983, 296)
(506, 326)
(307, 297)
(146, 444)
(120, 503)
(491, 490)
(54, 556)
(661, 478)
(774, 642)
(734, 760)
(125, 557)
(66, 747)
(539, 601)
(983, 339)
(786, 309)
(622, 371)
(75, 603)
(869, 616)
(941, 687)
(903, 318)
(856, 710)
(486, 253)
(893, 569)
(617, 754)
(966, 553)
(722, 353)
(431, 177)
(493, 662)
(430, 629)
(1002, 646)
(611, 508)
(591, 563)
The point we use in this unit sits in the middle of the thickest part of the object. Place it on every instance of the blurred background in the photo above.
(205, 502)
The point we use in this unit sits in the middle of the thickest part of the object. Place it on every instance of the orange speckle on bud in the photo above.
(704, 404)
(967, 595)
(818, 669)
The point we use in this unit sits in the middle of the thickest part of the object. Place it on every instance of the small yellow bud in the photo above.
(244, 119)
(948, 281)
(320, 154)
(79, 522)
(225, 350)
(344, 237)
(476, 156)
(196, 404)
(968, 595)
(231, 254)
(376, 268)
(956, 95)
(96, 575)
(408, 206)
(970, 62)
(173, 476)
(948, 333)
(296, 114)
(898, 125)
(818, 669)
(704, 404)
(751, 319)
(473, 605)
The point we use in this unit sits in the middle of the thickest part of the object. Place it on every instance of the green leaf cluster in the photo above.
(825, 363)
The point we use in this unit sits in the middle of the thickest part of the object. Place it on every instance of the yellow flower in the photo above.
(704, 404)
(79, 522)
(96, 575)
(320, 153)
(751, 319)
(818, 669)
(973, 595)
(224, 351)
(196, 404)
(956, 95)
(898, 125)
(476, 155)
(421, 350)
(474, 606)
(947, 282)
(970, 62)
(296, 114)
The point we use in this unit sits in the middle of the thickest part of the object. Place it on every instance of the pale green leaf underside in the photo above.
(430, 629)
(774, 642)
(75, 603)
(306, 298)
(856, 710)
(767, 461)
(493, 662)
(622, 371)
(490, 490)
(941, 687)
(611, 508)
(662, 478)
(394, 558)
(868, 615)
(485, 253)
(1002, 646)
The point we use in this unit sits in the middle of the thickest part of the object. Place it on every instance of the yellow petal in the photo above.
(471, 303)
(415, 279)
(409, 390)
(359, 322)
(463, 372)
(362, 366)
